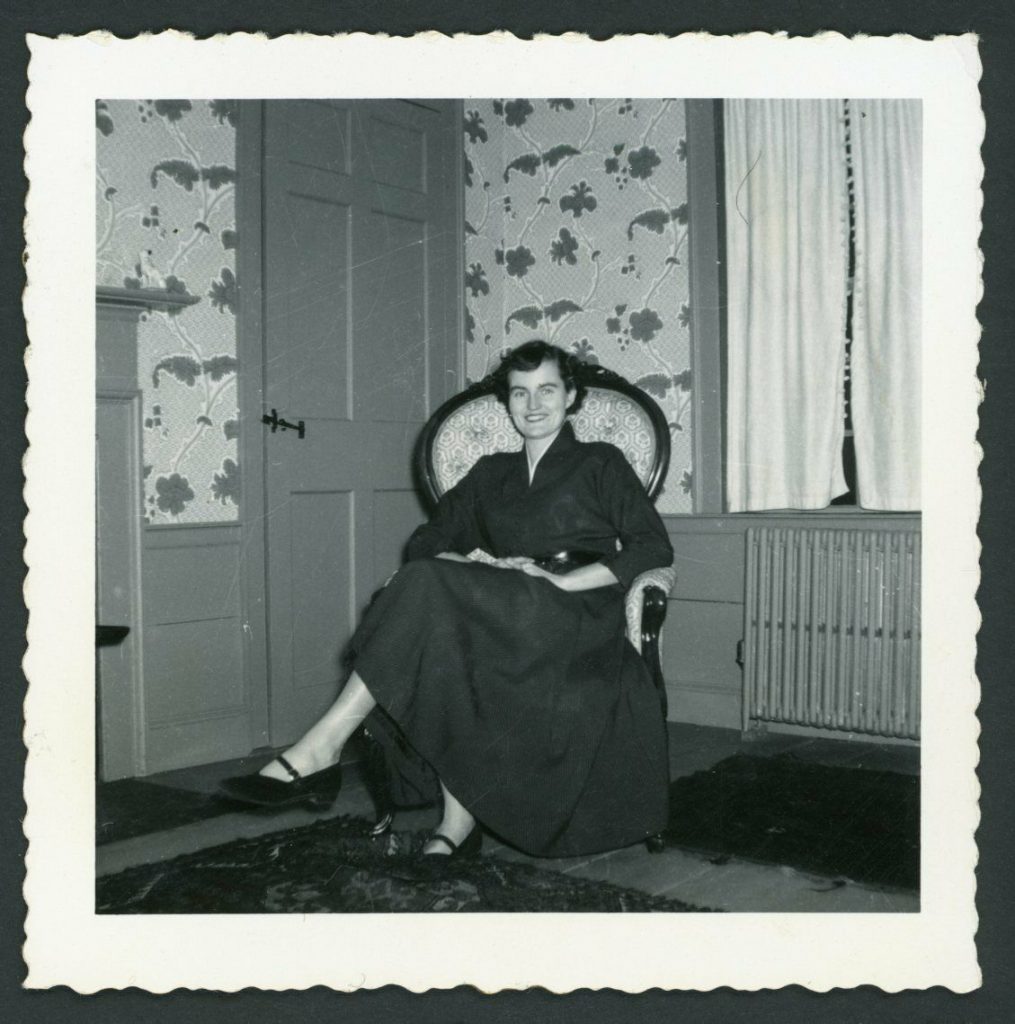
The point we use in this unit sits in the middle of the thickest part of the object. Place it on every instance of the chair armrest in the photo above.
(642, 619)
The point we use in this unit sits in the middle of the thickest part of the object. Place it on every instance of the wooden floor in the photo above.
(736, 886)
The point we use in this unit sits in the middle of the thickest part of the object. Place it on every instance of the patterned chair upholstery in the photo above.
(481, 426)
(474, 423)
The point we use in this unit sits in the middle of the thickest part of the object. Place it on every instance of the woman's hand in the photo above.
(513, 562)
(558, 580)
(588, 577)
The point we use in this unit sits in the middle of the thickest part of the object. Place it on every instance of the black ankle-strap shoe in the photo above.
(468, 847)
(318, 790)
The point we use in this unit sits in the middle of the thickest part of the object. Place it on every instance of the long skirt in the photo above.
(529, 702)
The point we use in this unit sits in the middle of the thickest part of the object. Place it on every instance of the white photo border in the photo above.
(68, 944)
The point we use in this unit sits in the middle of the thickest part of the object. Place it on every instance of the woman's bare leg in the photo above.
(321, 745)
(456, 824)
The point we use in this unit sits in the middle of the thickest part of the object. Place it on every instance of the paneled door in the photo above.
(362, 299)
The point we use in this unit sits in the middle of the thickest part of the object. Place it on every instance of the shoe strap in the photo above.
(437, 837)
(289, 768)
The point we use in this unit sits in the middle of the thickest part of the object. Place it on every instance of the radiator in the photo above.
(832, 630)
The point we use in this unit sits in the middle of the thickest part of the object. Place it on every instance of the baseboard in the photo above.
(786, 729)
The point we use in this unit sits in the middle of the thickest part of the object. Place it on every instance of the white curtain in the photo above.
(786, 244)
(885, 359)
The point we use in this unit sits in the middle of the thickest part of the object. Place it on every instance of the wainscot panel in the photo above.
(191, 573)
(196, 671)
(196, 699)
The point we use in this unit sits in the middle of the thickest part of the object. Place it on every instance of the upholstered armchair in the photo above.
(473, 424)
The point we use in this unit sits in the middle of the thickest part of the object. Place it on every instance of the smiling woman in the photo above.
(538, 403)
(539, 385)
(512, 678)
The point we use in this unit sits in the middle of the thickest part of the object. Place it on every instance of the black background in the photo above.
(994, 22)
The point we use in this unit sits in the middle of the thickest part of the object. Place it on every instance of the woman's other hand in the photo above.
(513, 562)
(531, 569)
(589, 577)
(498, 563)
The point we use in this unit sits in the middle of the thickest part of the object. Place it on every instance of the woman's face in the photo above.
(538, 401)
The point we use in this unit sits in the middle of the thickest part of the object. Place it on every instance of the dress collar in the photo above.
(563, 442)
(560, 447)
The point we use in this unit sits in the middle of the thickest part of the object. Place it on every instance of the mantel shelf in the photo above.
(144, 298)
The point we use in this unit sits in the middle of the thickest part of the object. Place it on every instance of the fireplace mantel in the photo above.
(144, 298)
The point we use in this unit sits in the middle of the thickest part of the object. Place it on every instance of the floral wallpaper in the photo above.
(576, 231)
(165, 217)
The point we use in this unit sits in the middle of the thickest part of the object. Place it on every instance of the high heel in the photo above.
(382, 826)
(319, 790)
(468, 847)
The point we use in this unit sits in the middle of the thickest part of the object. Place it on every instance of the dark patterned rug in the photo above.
(336, 867)
(841, 823)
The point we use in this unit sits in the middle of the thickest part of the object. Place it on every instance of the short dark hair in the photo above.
(531, 356)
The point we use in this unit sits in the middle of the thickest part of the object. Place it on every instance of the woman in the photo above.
(513, 676)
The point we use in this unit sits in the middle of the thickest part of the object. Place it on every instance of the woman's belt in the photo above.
(565, 561)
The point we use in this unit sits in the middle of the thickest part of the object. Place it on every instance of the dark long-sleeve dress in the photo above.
(528, 701)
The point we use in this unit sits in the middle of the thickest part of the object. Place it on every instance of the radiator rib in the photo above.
(832, 629)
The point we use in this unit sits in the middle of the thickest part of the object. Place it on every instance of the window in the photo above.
(836, 291)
